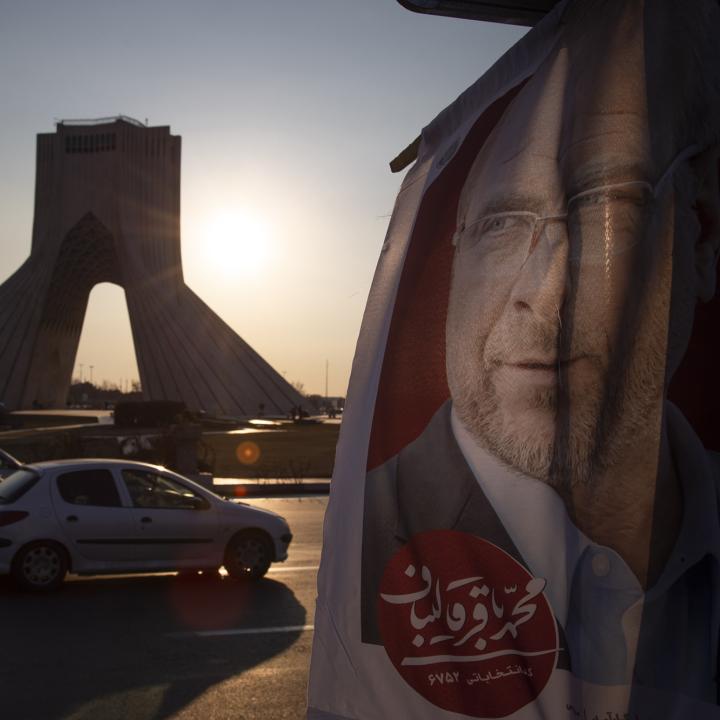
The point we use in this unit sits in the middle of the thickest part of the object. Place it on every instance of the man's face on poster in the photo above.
(558, 312)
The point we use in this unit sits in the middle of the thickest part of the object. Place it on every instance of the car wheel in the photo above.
(40, 566)
(248, 555)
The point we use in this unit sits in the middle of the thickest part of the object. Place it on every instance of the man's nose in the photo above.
(543, 281)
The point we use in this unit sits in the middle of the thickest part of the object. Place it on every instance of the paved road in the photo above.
(163, 646)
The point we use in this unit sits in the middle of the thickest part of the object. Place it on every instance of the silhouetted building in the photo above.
(107, 209)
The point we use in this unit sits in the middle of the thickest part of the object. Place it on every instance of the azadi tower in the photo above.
(107, 209)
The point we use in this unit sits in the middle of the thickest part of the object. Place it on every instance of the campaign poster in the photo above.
(523, 519)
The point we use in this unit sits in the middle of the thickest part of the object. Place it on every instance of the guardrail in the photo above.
(101, 121)
(272, 487)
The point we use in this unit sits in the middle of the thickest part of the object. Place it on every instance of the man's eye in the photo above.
(503, 224)
(627, 197)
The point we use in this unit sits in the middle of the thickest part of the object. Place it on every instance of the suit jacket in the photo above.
(427, 486)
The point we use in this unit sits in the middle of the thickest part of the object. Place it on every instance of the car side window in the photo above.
(89, 487)
(151, 490)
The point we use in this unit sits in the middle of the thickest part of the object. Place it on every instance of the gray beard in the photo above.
(569, 457)
(591, 432)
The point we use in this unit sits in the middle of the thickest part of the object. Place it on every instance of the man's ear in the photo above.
(707, 210)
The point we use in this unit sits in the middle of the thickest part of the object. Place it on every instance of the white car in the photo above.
(110, 516)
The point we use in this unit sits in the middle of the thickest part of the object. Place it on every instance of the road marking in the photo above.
(293, 568)
(244, 631)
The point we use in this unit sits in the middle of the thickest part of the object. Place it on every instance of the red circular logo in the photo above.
(466, 625)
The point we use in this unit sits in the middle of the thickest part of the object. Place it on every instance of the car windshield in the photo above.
(14, 486)
(7, 460)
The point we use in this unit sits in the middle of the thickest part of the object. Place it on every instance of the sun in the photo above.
(236, 242)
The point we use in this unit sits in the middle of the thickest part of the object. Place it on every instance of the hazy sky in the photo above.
(289, 114)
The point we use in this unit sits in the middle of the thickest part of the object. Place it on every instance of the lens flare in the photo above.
(248, 452)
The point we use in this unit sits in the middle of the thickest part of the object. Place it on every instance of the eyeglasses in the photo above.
(599, 223)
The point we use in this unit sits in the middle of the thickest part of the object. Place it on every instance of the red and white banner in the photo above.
(524, 514)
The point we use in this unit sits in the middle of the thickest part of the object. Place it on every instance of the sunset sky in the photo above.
(289, 114)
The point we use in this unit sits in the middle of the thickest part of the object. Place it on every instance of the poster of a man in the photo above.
(586, 231)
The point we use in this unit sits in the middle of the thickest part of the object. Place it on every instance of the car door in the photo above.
(92, 516)
(177, 526)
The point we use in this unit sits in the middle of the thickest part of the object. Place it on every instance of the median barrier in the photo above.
(270, 487)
